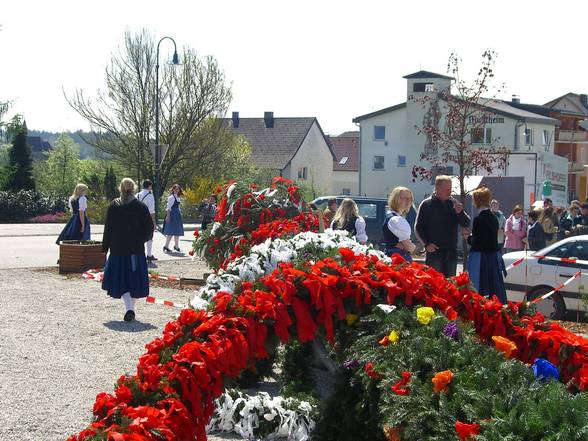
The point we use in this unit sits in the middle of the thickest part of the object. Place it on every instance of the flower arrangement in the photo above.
(57, 217)
(305, 287)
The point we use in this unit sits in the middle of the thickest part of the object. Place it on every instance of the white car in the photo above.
(542, 271)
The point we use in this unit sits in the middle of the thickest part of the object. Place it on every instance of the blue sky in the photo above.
(329, 59)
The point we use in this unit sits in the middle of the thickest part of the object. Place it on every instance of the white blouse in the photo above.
(83, 203)
(360, 233)
(170, 201)
(399, 227)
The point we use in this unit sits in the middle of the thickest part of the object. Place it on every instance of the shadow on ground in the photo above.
(134, 326)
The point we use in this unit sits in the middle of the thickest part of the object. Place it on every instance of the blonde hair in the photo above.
(345, 212)
(441, 179)
(127, 190)
(394, 199)
(482, 197)
(79, 191)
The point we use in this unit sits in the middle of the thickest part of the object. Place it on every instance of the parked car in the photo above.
(535, 276)
(373, 210)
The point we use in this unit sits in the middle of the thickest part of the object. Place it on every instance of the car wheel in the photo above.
(552, 307)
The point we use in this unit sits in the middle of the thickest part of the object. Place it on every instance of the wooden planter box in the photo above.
(77, 256)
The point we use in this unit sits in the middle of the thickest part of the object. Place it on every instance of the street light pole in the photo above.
(157, 158)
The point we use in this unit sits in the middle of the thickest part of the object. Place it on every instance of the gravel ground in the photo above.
(62, 341)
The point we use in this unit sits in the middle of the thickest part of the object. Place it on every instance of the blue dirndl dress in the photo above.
(175, 227)
(71, 231)
(486, 271)
(126, 274)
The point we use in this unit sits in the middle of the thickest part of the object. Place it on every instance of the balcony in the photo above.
(572, 136)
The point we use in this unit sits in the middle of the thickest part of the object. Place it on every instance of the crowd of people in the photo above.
(131, 222)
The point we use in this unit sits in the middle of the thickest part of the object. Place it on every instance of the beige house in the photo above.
(295, 148)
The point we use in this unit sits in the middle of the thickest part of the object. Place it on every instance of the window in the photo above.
(302, 172)
(343, 160)
(401, 161)
(579, 251)
(481, 135)
(378, 163)
(528, 137)
(546, 137)
(379, 133)
(423, 87)
(367, 211)
(346, 191)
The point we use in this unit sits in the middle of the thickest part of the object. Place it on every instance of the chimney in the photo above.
(584, 99)
(235, 120)
(516, 99)
(268, 118)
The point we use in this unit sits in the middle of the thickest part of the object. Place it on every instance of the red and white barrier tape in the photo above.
(559, 288)
(155, 301)
(97, 275)
(515, 263)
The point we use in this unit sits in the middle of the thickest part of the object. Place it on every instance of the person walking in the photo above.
(495, 207)
(78, 227)
(347, 218)
(396, 229)
(128, 226)
(207, 210)
(485, 265)
(546, 220)
(515, 230)
(535, 233)
(330, 211)
(173, 225)
(146, 196)
(437, 220)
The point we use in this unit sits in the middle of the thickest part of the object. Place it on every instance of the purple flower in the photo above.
(351, 364)
(544, 370)
(451, 331)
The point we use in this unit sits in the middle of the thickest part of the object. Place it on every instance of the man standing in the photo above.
(495, 207)
(146, 196)
(207, 211)
(329, 212)
(437, 220)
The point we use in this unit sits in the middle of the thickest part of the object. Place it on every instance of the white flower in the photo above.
(230, 190)
(215, 227)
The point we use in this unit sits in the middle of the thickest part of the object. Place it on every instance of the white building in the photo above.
(390, 145)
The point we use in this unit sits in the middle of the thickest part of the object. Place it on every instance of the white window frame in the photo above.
(383, 163)
(486, 135)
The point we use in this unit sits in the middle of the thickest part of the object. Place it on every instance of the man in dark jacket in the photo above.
(207, 211)
(436, 226)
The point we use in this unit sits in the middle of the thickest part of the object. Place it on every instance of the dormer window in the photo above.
(343, 160)
(423, 87)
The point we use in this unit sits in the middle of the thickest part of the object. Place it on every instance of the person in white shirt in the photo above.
(146, 196)
(347, 218)
(396, 229)
(78, 227)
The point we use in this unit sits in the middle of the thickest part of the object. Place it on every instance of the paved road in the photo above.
(33, 245)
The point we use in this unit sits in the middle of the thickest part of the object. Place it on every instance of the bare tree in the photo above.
(193, 96)
(454, 125)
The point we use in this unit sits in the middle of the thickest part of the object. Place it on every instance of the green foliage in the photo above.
(110, 184)
(96, 211)
(295, 377)
(59, 174)
(20, 160)
(18, 206)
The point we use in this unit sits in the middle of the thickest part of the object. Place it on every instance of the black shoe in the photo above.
(151, 258)
(166, 250)
(129, 316)
(177, 249)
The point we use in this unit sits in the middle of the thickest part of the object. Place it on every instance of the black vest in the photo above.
(350, 226)
(390, 238)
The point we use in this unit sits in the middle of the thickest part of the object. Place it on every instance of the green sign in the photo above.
(547, 188)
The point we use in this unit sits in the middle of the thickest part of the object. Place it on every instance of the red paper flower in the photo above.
(465, 432)
(399, 387)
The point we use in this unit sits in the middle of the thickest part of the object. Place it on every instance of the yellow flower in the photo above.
(394, 337)
(425, 314)
(351, 319)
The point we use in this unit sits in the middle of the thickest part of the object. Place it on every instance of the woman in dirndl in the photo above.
(485, 264)
(78, 227)
(173, 225)
(396, 229)
(128, 226)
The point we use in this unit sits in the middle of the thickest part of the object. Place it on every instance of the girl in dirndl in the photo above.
(173, 225)
(128, 226)
(396, 229)
(78, 227)
(485, 264)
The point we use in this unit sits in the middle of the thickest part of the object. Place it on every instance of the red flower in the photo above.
(196, 233)
(123, 394)
(465, 432)
(191, 252)
(399, 387)
(371, 372)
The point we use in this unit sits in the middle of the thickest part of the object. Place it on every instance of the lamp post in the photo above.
(175, 60)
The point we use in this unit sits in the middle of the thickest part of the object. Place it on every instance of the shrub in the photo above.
(49, 218)
(97, 211)
(18, 206)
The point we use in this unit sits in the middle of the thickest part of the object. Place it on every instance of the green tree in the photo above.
(110, 190)
(20, 176)
(59, 174)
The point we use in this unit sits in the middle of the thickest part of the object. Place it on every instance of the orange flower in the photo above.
(393, 433)
(441, 381)
(504, 345)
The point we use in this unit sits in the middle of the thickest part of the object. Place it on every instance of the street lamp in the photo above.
(175, 60)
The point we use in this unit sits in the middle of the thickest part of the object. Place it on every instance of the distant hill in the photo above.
(86, 150)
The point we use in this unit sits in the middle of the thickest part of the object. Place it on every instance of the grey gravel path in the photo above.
(62, 341)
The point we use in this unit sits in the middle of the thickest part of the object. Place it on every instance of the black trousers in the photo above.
(444, 261)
